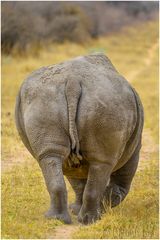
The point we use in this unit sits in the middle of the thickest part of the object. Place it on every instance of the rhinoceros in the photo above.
(82, 119)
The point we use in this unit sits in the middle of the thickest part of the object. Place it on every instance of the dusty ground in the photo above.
(64, 232)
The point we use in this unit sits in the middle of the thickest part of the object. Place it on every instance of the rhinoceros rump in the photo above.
(82, 119)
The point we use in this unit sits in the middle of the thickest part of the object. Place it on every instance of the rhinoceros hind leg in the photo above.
(120, 181)
(78, 186)
(98, 177)
(114, 195)
(53, 175)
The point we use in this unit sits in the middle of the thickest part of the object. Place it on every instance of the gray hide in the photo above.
(81, 119)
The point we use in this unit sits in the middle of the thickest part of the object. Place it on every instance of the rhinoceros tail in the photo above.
(20, 124)
(73, 93)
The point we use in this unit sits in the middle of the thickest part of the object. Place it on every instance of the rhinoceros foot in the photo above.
(88, 217)
(65, 217)
(114, 195)
(75, 208)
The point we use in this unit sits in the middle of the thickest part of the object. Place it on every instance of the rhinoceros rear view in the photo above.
(81, 118)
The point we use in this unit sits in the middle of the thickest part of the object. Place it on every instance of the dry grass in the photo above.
(24, 196)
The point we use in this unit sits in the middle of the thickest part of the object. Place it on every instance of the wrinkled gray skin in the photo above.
(82, 119)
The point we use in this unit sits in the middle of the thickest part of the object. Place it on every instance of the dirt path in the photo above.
(148, 147)
(147, 61)
(65, 231)
(151, 52)
(23, 157)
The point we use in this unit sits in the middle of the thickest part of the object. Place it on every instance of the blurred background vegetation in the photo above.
(29, 25)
